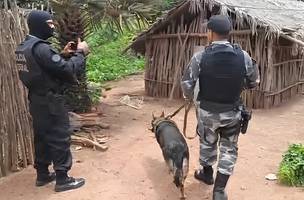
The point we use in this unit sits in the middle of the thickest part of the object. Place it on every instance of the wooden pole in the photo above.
(269, 73)
(292, 39)
(5, 5)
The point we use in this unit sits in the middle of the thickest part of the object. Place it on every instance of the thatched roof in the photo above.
(277, 17)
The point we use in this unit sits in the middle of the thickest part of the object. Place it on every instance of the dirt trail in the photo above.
(133, 167)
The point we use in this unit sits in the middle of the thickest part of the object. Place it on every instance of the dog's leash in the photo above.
(187, 105)
(177, 111)
(187, 109)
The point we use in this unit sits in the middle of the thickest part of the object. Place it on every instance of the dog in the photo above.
(174, 149)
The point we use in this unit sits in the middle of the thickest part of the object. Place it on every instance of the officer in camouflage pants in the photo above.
(222, 127)
(222, 71)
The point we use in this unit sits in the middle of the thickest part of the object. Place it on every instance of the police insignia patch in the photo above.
(56, 58)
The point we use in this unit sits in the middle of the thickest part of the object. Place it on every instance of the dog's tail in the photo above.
(178, 176)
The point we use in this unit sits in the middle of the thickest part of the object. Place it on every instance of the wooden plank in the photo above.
(192, 34)
(288, 61)
(285, 89)
(292, 39)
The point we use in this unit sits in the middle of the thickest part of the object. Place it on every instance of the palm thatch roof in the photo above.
(277, 17)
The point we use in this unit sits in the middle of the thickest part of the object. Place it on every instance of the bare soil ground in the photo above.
(133, 167)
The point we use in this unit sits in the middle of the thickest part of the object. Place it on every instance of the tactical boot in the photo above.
(205, 175)
(69, 183)
(219, 187)
(43, 179)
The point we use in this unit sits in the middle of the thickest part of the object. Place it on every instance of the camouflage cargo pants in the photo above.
(222, 129)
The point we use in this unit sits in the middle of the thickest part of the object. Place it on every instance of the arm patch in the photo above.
(56, 58)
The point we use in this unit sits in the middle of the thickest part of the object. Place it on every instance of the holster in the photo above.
(246, 117)
(25, 78)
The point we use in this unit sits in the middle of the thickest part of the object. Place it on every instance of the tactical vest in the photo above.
(221, 78)
(30, 73)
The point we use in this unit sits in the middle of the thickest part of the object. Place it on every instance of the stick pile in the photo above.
(85, 126)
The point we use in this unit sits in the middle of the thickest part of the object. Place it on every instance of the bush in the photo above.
(291, 170)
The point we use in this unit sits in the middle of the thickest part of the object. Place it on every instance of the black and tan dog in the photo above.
(174, 148)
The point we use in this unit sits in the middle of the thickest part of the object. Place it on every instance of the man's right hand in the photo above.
(69, 48)
(83, 46)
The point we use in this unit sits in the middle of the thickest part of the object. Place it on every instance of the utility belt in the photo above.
(54, 102)
(220, 108)
(215, 107)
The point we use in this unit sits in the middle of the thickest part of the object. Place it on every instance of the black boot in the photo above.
(219, 187)
(45, 178)
(64, 183)
(205, 175)
(69, 184)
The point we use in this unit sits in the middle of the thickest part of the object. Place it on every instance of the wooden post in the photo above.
(269, 73)
(178, 67)
(5, 5)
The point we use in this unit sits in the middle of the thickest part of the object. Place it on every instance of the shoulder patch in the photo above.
(56, 58)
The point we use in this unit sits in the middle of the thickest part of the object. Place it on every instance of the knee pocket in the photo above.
(209, 136)
(230, 130)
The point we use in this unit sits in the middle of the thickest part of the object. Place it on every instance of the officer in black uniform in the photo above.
(223, 70)
(43, 71)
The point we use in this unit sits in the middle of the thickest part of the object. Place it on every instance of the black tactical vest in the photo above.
(30, 73)
(221, 77)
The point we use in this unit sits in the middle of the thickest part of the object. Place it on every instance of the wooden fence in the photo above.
(16, 149)
(169, 52)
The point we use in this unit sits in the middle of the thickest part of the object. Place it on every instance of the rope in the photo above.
(187, 109)
(177, 111)
(157, 81)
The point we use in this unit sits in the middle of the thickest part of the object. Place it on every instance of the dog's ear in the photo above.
(153, 116)
(163, 114)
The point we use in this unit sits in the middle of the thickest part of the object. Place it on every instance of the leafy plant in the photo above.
(291, 170)
(168, 4)
(107, 62)
(117, 14)
(81, 18)
(95, 92)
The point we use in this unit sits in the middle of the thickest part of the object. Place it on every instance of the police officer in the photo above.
(223, 70)
(43, 71)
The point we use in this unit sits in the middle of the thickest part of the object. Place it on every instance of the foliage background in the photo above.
(291, 170)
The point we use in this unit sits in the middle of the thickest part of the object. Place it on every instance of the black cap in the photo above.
(220, 24)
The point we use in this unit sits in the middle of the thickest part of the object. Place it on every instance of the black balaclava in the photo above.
(38, 26)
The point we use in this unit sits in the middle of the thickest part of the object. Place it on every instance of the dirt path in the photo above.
(133, 167)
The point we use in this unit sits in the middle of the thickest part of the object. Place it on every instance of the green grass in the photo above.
(106, 61)
(291, 170)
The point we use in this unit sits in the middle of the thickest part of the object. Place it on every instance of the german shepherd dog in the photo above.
(174, 148)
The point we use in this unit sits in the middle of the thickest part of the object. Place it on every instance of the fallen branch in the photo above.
(131, 102)
(93, 138)
(86, 121)
(88, 143)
